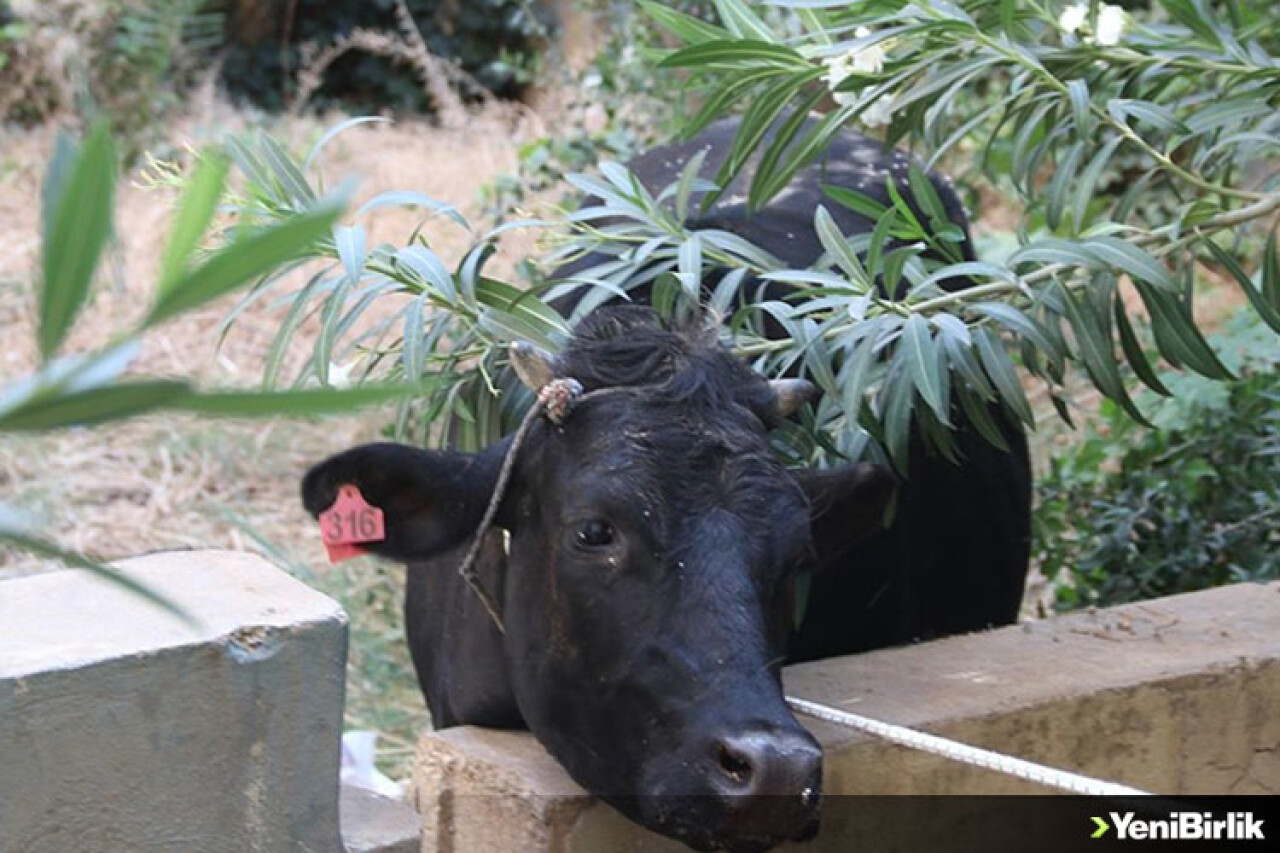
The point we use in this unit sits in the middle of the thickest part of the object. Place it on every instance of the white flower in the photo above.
(880, 112)
(340, 374)
(838, 70)
(1111, 23)
(1107, 29)
(865, 60)
(845, 99)
(870, 59)
(1073, 17)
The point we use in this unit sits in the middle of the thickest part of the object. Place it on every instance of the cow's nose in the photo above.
(769, 764)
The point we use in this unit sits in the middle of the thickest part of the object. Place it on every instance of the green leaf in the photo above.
(922, 364)
(838, 247)
(245, 260)
(1051, 251)
(81, 223)
(863, 205)
(1094, 339)
(737, 54)
(1151, 113)
(999, 367)
(1064, 176)
(195, 212)
(926, 195)
(56, 408)
(1269, 315)
(56, 175)
(1133, 260)
(689, 268)
(769, 179)
(1084, 189)
(1189, 15)
(856, 375)
(1078, 92)
(979, 414)
(285, 171)
(1133, 349)
(408, 198)
(298, 305)
(685, 27)
(897, 398)
(719, 101)
(32, 543)
(1176, 335)
(1020, 324)
(333, 132)
(743, 22)
(964, 363)
(552, 328)
(756, 121)
(1271, 273)
(688, 180)
(306, 402)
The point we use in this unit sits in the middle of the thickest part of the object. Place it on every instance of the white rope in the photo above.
(1029, 770)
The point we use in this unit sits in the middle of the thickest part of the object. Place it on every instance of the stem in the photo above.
(1267, 204)
(1120, 127)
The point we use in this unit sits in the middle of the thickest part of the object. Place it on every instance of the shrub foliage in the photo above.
(1132, 514)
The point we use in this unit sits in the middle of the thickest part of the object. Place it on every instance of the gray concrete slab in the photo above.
(122, 728)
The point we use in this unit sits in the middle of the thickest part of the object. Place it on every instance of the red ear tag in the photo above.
(348, 522)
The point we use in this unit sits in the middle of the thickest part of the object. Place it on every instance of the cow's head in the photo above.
(653, 541)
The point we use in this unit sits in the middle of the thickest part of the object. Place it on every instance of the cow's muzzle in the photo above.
(769, 784)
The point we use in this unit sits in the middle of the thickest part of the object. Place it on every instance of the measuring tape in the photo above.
(1031, 771)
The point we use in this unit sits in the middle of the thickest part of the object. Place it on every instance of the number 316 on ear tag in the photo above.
(349, 522)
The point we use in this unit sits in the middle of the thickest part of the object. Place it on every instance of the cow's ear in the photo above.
(846, 504)
(431, 500)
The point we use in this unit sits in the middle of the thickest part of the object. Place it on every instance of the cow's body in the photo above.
(656, 671)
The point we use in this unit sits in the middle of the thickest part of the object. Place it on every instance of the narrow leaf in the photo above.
(81, 223)
(922, 364)
(195, 212)
(245, 260)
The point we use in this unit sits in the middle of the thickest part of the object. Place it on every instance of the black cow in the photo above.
(647, 546)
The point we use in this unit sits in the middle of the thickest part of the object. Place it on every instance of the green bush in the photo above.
(1130, 513)
(493, 40)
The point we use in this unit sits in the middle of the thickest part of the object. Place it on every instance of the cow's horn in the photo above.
(790, 394)
(534, 365)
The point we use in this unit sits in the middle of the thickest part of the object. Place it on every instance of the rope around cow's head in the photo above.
(556, 399)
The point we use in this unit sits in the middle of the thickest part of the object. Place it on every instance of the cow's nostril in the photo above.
(735, 765)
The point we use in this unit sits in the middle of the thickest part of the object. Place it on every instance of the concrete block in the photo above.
(1175, 695)
(124, 729)
(372, 823)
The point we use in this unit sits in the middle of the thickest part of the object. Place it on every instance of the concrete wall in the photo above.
(123, 729)
(1176, 695)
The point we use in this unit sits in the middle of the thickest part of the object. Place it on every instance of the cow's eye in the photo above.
(595, 533)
